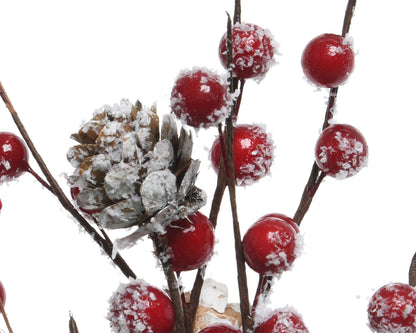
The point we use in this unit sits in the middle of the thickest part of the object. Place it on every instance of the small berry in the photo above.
(2, 293)
(282, 321)
(139, 307)
(392, 308)
(341, 151)
(200, 98)
(191, 242)
(271, 244)
(253, 154)
(253, 51)
(328, 60)
(220, 328)
(13, 156)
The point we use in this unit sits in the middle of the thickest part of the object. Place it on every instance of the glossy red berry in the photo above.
(328, 60)
(13, 156)
(282, 321)
(2, 293)
(392, 308)
(341, 151)
(220, 328)
(200, 98)
(271, 244)
(253, 154)
(191, 242)
(139, 307)
(253, 51)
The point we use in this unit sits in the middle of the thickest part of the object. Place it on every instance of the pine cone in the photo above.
(130, 173)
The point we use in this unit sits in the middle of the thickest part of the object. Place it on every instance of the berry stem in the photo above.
(6, 319)
(40, 179)
(412, 271)
(263, 289)
(107, 247)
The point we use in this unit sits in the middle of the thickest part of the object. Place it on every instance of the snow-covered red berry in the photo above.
(139, 307)
(253, 154)
(271, 244)
(220, 328)
(392, 309)
(282, 321)
(328, 60)
(341, 151)
(253, 51)
(200, 98)
(13, 156)
(2, 293)
(190, 241)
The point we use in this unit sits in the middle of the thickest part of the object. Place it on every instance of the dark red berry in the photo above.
(191, 242)
(341, 151)
(328, 60)
(253, 51)
(139, 307)
(392, 308)
(253, 154)
(2, 293)
(200, 98)
(271, 244)
(220, 328)
(282, 321)
(13, 156)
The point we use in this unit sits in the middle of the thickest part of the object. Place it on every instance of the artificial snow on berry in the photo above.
(328, 60)
(253, 51)
(200, 98)
(253, 154)
(139, 307)
(190, 242)
(341, 151)
(392, 309)
(2, 293)
(271, 244)
(220, 328)
(13, 157)
(282, 321)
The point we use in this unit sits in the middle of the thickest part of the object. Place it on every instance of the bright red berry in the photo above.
(2, 293)
(253, 154)
(139, 307)
(220, 328)
(328, 60)
(392, 308)
(341, 151)
(253, 51)
(282, 321)
(200, 98)
(191, 242)
(13, 156)
(271, 244)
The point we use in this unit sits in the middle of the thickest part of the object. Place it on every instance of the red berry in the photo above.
(220, 328)
(328, 60)
(13, 156)
(253, 51)
(271, 244)
(200, 98)
(139, 307)
(282, 321)
(2, 293)
(392, 308)
(191, 242)
(253, 154)
(341, 151)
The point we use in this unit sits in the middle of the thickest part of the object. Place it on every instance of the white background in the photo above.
(60, 60)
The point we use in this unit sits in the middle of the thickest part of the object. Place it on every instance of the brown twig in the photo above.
(6, 319)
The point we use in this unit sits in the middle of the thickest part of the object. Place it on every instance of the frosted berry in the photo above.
(253, 51)
(139, 307)
(13, 156)
(220, 328)
(328, 60)
(282, 321)
(341, 151)
(392, 308)
(271, 244)
(191, 242)
(200, 98)
(2, 293)
(253, 154)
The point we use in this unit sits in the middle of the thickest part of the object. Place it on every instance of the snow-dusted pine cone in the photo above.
(131, 173)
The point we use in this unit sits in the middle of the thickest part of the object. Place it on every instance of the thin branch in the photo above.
(6, 319)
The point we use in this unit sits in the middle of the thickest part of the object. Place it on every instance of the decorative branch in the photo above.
(6, 319)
